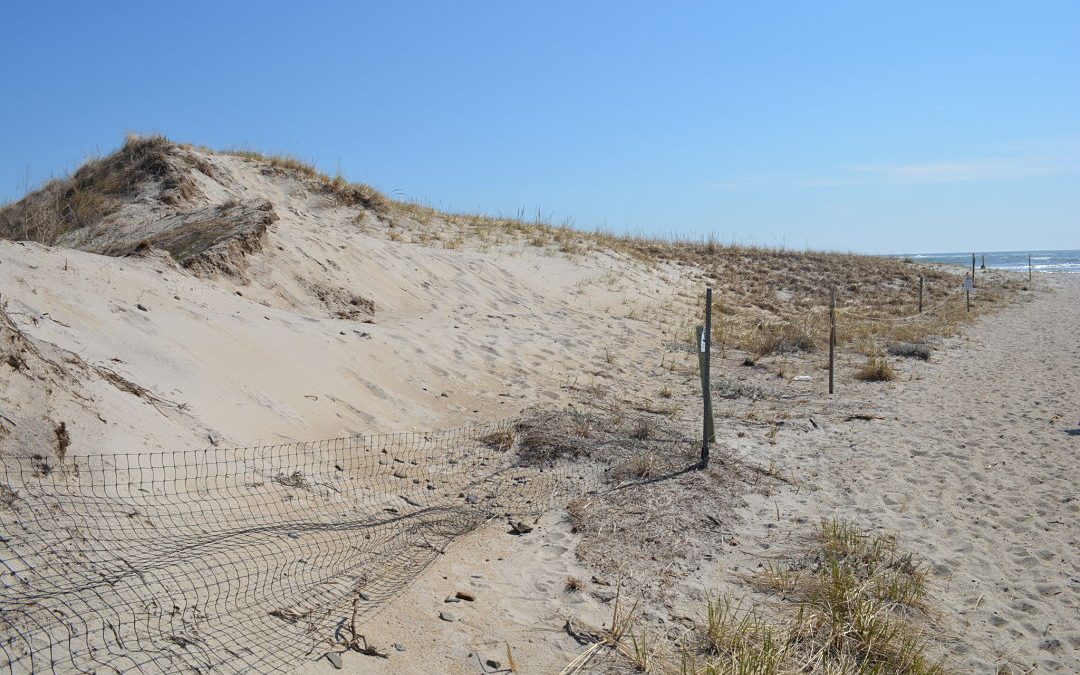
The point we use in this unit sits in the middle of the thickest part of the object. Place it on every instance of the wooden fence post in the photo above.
(1029, 267)
(708, 431)
(972, 269)
(832, 335)
(920, 293)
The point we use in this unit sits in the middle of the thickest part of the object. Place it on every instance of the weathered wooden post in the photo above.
(832, 335)
(1029, 267)
(920, 293)
(983, 266)
(969, 283)
(708, 431)
(972, 269)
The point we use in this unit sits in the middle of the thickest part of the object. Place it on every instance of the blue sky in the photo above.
(865, 126)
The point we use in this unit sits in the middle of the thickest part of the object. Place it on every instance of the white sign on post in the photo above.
(969, 283)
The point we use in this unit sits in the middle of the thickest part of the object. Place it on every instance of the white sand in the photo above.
(969, 460)
(973, 465)
(458, 336)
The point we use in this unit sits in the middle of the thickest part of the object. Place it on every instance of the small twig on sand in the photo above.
(863, 417)
(359, 643)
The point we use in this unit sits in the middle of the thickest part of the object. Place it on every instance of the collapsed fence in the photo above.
(240, 560)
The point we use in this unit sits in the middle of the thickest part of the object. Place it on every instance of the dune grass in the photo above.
(849, 604)
(94, 191)
(147, 166)
(348, 193)
(877, 369)
(767, 301)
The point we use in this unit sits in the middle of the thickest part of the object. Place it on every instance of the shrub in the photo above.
(911, 350)
(877, 369)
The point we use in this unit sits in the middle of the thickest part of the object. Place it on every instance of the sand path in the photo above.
(974, 466)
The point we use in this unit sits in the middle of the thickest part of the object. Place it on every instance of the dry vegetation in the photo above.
(877, 369)
(349, 194)
(650, 496)
(147, 166)
(96, 190)
(850, 604)
(766, 302)
(911, 350)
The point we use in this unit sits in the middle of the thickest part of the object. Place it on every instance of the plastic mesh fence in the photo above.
(238, 560)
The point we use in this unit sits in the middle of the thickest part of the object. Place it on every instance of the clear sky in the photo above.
(864, 126)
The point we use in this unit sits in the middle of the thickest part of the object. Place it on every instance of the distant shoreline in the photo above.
(1046, 261)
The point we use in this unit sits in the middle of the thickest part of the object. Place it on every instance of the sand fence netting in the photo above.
(245, 559)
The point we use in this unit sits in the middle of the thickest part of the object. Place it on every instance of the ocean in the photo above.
(1041, 261)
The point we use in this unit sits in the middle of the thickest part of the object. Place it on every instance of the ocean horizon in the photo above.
(1041, 261)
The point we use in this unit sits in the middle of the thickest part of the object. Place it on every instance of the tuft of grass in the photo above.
(96, 190)
(583, 427)
(877, 369)
(738, 641)
(804, 335)
(644, 466)
(911, 350)
(857, 601)
(640, 655)
(725, 387)
(851, 604)
(499, 440)
(574, 585)
(643, 429)
(349, 194)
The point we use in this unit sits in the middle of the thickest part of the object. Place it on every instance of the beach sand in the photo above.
(970, 460)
